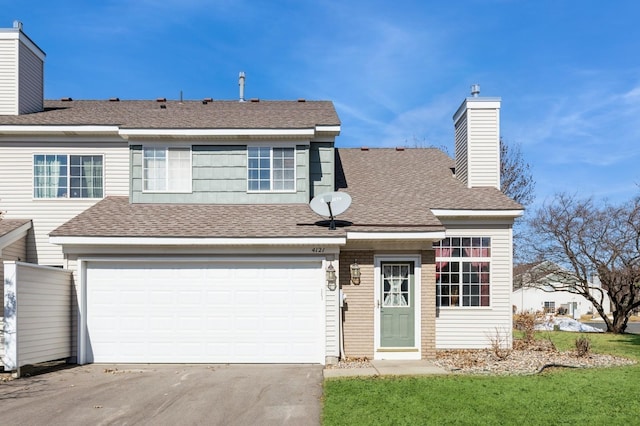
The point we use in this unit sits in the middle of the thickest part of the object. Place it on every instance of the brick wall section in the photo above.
(428, 300)
(358, 312)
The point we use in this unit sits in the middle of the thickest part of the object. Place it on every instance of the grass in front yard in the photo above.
(594, 396)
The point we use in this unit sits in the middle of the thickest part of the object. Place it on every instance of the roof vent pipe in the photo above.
(241, 84)
(475, 90)
(17, 24)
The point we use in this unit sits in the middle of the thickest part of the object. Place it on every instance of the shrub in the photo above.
(583, 346)
(526, 322)
(500, 344)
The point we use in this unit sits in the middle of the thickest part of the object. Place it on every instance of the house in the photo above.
(188, 231)
(535, 287)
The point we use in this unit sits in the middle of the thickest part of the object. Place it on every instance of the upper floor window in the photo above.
(271, 169)
(68, 176)
(166, 169)
(463, 271)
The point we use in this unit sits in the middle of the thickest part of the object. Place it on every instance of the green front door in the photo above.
(397, 305)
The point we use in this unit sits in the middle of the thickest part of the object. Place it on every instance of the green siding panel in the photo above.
(321, 168)
(219, 176)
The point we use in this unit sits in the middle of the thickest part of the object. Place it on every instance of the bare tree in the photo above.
(585, 238)
(516, 179)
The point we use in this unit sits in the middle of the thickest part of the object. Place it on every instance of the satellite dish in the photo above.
(331, 204)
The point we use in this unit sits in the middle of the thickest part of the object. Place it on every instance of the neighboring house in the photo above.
(188, 228)
(534, 291)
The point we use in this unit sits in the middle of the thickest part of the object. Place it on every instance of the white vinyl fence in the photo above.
(37, 314)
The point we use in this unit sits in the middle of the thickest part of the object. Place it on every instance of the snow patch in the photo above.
(567, 324)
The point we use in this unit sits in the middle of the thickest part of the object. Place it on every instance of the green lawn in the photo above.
(587, 396)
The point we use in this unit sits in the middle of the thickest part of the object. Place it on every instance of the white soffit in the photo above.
(159, 241)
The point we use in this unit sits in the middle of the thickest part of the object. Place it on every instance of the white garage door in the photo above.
(205, 312)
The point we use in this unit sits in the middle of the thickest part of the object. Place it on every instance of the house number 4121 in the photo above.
(318, 249)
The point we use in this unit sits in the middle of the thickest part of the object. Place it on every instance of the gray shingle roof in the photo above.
(392, 191)
(185, 115)
(115, 216)
(8, 225)
(404, 184)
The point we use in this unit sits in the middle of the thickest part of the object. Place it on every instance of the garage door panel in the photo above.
(196, 312)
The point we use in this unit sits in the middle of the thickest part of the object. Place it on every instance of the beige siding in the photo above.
(8, 77)
(477, 142)
(483, 148)
(332, 343)
(71, 264)
(469, 328)
(16, 190)
(461, 153)
(31, 85)
(38, 329)
(359, 308)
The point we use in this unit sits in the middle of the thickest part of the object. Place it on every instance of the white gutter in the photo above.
(408, 236)
(62, 130)
(477, 213)
(171, 241)
(215, 132)
(116, 130)
(333, 129)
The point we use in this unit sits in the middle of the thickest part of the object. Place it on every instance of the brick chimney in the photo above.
(21, 72)
(477, 133)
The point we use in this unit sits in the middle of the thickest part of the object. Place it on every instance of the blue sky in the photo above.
(568, 72)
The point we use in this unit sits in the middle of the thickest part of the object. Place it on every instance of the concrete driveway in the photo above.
(214, 394)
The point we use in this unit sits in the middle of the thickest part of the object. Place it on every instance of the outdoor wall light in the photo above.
(331, 277)
(355, 273)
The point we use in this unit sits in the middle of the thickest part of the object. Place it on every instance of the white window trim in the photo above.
(167, 148)
(468, 259)
(68, 197)
(295, 169)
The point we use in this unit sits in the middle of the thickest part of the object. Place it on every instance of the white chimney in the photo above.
(22, 70)
(241, 84)
(477, 144)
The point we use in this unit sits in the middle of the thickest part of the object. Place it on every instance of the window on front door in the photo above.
(270, 169)
(68, 176)
(395, 285)
(463, 266)
(166, 169)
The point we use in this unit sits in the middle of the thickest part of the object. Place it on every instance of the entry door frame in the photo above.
(412, 353)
